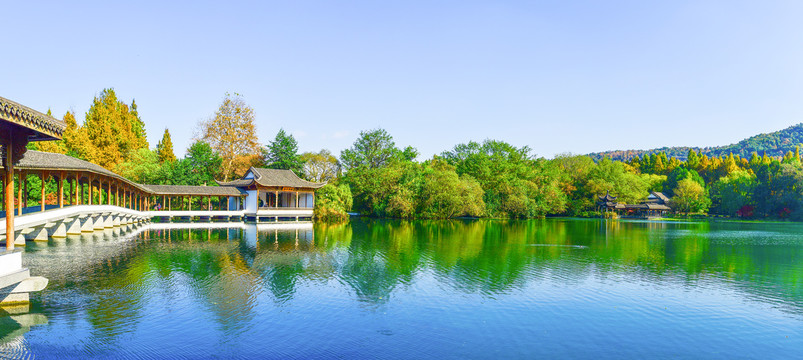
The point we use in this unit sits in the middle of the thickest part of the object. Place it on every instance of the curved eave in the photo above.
(41, 126)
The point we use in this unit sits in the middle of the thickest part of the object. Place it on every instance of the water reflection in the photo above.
(472, 256)
(15, 322)
(232, 271)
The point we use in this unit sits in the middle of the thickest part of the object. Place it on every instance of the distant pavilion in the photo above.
(656, 205)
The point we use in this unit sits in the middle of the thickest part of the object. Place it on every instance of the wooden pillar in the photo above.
(43, 177)
(90, 189)
(208, 203)
(276, 203)
(258, 199)
(25, 190)
(109, 193)
(19, 192)
(78, 188)
(296, 198)
(9, 192)
(61, 189)
(169, 203)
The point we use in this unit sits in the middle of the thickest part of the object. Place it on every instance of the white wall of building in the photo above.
(251, 202)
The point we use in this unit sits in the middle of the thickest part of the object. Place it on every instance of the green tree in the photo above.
(320, 167)
(693, 160)
(620, 180)
(201, 164)
(444, 194)
(143, 167)
(690, 196)
(732, 192)
(164, 149)
(515, 183)
(332, 202)
(373, 149)
(679, 174)
(282, 153)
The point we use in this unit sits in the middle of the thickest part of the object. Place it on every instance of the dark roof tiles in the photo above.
(47, 127)
(273, 178)
(38, 160)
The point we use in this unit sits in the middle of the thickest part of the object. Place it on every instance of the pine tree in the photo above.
(282, 153)
(164, 149)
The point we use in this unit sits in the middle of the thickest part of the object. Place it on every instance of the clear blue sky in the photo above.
(558, 76)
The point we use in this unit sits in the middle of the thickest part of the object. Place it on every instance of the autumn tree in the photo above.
(321, 166)
(114, 130)
(282, 153)
(164, 149)
(231, 132)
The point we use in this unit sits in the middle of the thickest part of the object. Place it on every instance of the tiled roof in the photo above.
(46, 127)
(194, 190)
(236, 183)
(39, 160)
(660, 196)
(273, 178)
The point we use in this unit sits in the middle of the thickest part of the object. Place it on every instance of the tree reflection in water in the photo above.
(230, 268)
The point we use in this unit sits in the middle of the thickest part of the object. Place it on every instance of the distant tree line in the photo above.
(775, 144)
(375, 177)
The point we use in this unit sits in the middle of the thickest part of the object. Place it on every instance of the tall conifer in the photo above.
(164, 149)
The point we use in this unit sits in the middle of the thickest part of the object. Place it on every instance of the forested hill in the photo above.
(775, 144)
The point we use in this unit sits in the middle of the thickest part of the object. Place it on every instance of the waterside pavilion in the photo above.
(275, 194)
(656, 205)
(19, 125)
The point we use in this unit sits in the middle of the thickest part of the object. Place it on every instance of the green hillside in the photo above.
(776, 144)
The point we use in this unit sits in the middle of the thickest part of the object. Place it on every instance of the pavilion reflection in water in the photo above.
(251, 234)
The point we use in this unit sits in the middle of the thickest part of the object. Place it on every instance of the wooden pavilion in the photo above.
(656, 205)
(20, 125)
(276, 193)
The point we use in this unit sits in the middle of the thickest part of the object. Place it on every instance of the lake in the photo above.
(386, 289)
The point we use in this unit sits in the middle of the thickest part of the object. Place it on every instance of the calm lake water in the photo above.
(556, 288)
